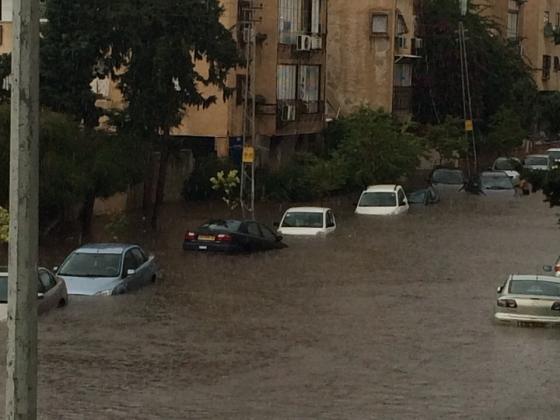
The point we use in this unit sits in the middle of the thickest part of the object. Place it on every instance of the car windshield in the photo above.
(448, 176)
(505, 164)
(378, 199)
(3, 289)
(81, 264)
(496, 182)
(418, 197)
(536, 161)
(221, 225)
(303, 220)
(534, 287)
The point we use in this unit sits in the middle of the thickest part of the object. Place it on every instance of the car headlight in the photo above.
(105, 293)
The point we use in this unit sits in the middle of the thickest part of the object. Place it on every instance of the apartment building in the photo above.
(372, 50)
(535, 26)
(289, 82)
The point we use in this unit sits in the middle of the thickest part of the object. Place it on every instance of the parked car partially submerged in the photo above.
(307, 221)
(232, 236)
(554, 157)
(51, 292)
(496, 183)
(424, 196)
(528, 300)
(383, 200)
(444, 179)
(107, 269)
(536, 163)
(510, 166)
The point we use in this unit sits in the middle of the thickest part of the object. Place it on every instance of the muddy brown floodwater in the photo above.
(385, 319)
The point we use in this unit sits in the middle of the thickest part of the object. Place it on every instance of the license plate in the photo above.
(529, 324)
(202, 247)
(206, 238)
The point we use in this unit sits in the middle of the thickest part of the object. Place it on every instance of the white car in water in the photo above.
(383, 200)
(307, 221)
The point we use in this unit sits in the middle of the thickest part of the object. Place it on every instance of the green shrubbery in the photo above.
(198, 185)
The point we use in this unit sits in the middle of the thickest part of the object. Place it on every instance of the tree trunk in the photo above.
(87, 214)
(162, 175)
(147, 200)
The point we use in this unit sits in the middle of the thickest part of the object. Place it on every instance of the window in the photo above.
(402, 198)
(546, 17)
(298, 17)
(556, 63)
(403, 75)
(401, 25)
(513, 20)
(253, 229)
(330, 219)
(286, 82)
(240, 89)
(308, 89)
(380, 24)
(46, 282)
(546, 67)
(130, 262)
(139, 256)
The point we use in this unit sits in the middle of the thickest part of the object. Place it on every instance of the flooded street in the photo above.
(386, 318)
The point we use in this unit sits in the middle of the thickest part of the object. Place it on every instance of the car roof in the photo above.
(553, 149)
(308, 209)
(493, 173)
(382, 188)
(104, 248)
(540, 156)
(534, 277)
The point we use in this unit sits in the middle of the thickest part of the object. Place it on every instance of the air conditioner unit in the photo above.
(401, 41)
(288, 113)
(303, 43)
(316, 42)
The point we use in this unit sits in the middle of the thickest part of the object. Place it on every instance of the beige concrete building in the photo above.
(535, 25)
(372, 49)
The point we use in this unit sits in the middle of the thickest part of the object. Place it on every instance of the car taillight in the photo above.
(507, 303)
(557, 268)
(555, 306)
(223, 237)
(190, 236)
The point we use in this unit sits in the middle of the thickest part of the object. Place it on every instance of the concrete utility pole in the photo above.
(21, 385)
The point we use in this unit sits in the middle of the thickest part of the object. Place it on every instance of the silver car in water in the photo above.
(107, 269)
(529, 300)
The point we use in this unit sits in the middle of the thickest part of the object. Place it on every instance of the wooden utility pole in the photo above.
(21, 385)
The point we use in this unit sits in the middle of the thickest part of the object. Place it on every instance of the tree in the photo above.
(448, 139)
(375, 147)
(4, 225)
(505, 132)
(498, 75)
(157, 55)
(549, 110)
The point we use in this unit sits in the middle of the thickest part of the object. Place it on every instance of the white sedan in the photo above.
(307, 221)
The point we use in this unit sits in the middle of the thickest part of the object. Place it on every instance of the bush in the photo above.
(536, 178)
(198, 185)
(4, 225)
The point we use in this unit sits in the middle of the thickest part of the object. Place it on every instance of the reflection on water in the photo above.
(385, 318)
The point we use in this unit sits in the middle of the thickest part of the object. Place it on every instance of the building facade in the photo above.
(372, 48)
(535, 26)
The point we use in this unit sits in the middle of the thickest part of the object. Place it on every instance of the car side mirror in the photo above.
(499, 289)
(130, 272)
(547, 268)
(55, 268)
(40, 295)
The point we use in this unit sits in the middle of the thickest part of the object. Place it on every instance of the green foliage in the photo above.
(505, 132)
(549, 110)
(536, 178)
(228, 187)
(5, 71)
(4, 225)
(197, 187)
(376, 148)
(498, 75)
(448, 138)
(117, 226)
(551, 188)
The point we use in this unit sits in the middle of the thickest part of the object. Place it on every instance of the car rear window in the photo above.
(378, 199)
(534, 287)
(448, 176)
(540, 161)
(223, 225)
(303, 220)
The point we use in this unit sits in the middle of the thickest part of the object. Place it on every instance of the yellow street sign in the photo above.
(468, 125)
(248, 154)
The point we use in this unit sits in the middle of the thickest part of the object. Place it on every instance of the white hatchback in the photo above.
(383, 200)
(307, 221)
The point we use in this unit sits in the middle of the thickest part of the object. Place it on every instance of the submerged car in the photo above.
(510, 166)
(383, 200)
(307, 221)
(107, 269)
(496, 183)
(537, 163)
(528, 300)
(444, 179)
(425, 196)
(553, 158)
(51, 292)
(232, 236)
